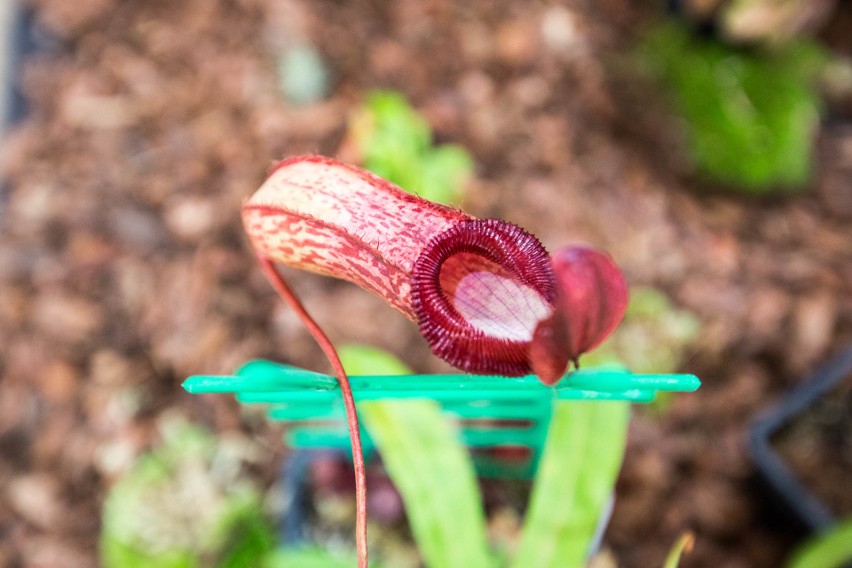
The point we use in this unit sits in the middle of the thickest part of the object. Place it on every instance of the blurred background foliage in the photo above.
(186, 504)
(751, 114)
(123, 268)
(391, 139)
(653, 338)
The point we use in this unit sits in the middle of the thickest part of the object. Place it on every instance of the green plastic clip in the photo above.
(494, 413)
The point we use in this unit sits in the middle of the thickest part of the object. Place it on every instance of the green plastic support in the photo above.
(497, 416)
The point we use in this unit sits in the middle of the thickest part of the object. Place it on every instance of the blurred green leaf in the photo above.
(574, 483)
(395, 142)
(445, 170)
(175, 509)
(652, 338)
(115, 554)
(832, 549)
(248, 536)
(309, 557)
(429, 465)
(434, 474)
(683, 544)
(360, 359)
(751, 115)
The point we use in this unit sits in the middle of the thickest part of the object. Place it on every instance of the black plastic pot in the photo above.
(801, 502)
(20, 37)
(19, 40)
(294, 484)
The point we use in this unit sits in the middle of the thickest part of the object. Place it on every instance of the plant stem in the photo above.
(348, 400)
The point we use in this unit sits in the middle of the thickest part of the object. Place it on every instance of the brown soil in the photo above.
(123, 267)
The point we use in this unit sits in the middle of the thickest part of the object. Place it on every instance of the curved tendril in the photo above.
(348, 400)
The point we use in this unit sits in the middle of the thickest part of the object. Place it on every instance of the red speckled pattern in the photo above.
(321, 215)
(485, 293)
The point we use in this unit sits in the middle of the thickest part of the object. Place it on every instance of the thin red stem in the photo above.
(348, 400)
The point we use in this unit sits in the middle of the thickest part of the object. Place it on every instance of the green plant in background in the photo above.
(395, 142)
(652, 338)
(185, 505)
(436, 478)
(421, 453)
(682, 545)
(308, 557)
(574, 483)
(832, 549)
(751, 116)
(361, 359)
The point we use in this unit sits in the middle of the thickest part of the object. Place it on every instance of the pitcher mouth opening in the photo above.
(491, 299)
(479, 290)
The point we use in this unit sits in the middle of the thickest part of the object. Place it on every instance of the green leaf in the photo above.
(683, 544)
(832, 549)
(309, 557)
(445, 172)
(395, 142)
(249, 536)
(574, 483)
(434, 474)
(397, 120)
(428, 464)
(174, 509)
(359, 359)
(117, 554)
(751, 116)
